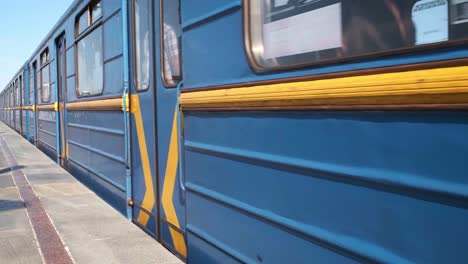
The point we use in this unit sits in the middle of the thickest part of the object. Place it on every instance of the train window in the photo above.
(45, 76)
(38, 85)
(142, 44)
(90, 64)
(83, 22)
(89, 54)
(340, 30)
(21, 82)
(31, 83)
(171, 36)
(96, 12)
(17, 92)
(89, 16)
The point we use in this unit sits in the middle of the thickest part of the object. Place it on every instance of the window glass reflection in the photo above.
(96, 12)
(142, 44)
(334, 29)
(83, 22)
(90, 64)
(45, 87)
(172, 70)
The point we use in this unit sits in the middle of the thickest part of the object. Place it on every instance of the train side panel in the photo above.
(95, 137)
(311, 186)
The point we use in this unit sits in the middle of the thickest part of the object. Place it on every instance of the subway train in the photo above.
(262, 131)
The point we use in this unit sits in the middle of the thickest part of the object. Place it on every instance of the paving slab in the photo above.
(50, 177)
(19, 247)
(90, 230)
(17, 241)
(6, 181)
(60, 189)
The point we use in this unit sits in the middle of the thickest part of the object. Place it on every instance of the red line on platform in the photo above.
(50, 244)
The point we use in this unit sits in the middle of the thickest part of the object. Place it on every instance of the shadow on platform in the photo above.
(8, 169)
(6, 205)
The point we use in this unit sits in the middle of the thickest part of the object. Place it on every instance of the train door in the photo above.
(19, 120)
(169, 72)
(32, 100)
(37, 86)
(11, 119)
(27, 101)
(145, 210)
(22, 113)
(61, 96)
(15, 104)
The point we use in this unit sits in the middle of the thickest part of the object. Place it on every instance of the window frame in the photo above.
(12, 96)
(258, 68)
(134, 59)
(23, 90)
(161, 47)
(79, 36)
(32, 84)
(43, 65)
(18, 91)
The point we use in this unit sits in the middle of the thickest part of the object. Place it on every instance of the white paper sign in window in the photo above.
(315, 30)
(430, 18)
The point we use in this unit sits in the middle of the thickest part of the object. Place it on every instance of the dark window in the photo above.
(83, 22)
(89, 56)
(17, 93)
(38, 85)
(142, 44)
(284, 33)
(89, 16)
(32, 76)
(90, 64)
(171, 34)
(96, 12)
(21, 82)
(45, 76)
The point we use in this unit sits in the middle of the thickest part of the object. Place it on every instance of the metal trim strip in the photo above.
(46, 145)
(98, 129)
(353, 248)
(97, 151)
(47, 132)
(436, 191)
(226, 249)
(98, 174)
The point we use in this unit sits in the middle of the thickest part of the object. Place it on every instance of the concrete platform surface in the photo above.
(87, 229)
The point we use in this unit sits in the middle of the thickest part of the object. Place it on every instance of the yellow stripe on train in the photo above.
(431, 86)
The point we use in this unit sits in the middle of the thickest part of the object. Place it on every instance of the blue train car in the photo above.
(272, 131)
(75, 97)
(14, 93)
(325, 131)
(3, 105)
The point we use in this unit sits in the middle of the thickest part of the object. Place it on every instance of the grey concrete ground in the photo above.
(91, 230)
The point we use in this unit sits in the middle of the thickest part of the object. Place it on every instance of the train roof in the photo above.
(57, 25)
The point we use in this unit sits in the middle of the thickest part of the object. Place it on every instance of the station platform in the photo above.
(47, 216)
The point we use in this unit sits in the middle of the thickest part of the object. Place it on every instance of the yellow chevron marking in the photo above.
(168, 189)
(148, 199)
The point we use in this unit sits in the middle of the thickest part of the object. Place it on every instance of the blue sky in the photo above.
(23, 25)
